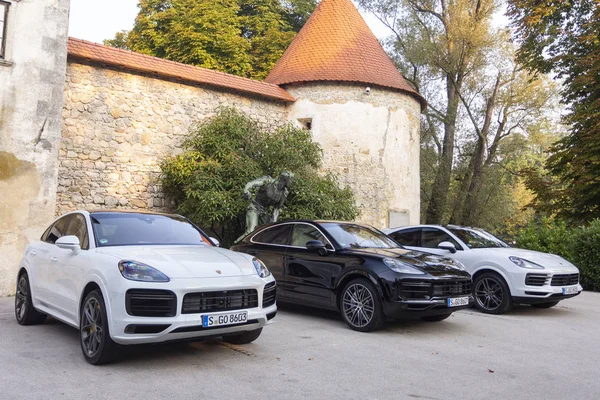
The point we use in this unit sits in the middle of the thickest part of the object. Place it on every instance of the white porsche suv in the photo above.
(502, 275)
(134, 277)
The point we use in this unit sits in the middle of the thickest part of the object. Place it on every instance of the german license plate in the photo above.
(570, 290)
(238, 317)
(458, 301)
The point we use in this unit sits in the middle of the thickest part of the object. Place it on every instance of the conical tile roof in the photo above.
(337, 45)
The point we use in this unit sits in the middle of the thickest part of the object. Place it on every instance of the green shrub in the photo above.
(225, 152)
(579, 245)
(586, 255)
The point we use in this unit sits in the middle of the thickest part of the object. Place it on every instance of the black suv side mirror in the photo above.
(316, 246)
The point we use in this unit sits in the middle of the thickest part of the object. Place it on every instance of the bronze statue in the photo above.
(271, 193)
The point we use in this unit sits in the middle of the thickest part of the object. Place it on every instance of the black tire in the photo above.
(491, 293)
(242, 337)
(435, 318)
(549, 304)
(25, 313)
(361, 306)
(96, 344)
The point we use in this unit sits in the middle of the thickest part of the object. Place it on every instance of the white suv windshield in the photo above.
(133, 229)
(477, 238)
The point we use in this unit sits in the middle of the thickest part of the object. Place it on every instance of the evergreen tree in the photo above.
(564, 37)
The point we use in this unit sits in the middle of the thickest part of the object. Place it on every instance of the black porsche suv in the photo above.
(359, 271)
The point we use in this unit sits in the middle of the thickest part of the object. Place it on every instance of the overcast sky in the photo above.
(99, 20)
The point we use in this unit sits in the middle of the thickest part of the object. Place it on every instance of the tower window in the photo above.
(306, 123)
(3, 23)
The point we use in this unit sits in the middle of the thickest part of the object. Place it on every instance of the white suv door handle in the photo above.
(53, 259)
(33, 253)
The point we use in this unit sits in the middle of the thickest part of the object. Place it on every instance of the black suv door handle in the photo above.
(253, 253)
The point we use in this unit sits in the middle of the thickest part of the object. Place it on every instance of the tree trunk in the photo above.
(439, 193)
(457, 211)
(470, 209)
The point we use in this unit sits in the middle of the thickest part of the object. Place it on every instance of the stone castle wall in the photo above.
(119, 126)
(371, 140)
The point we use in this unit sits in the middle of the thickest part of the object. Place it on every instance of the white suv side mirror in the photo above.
(447, 246)
(69, 242)
(215, 241)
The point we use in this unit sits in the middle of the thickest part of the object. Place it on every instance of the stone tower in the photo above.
(32, 79)
(359, 108)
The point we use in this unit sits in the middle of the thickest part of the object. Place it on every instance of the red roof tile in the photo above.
(135, 62)
(337, 45)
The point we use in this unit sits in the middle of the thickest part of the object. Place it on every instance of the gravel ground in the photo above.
(526, 354)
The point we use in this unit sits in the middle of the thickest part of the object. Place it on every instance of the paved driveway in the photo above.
(527, 354)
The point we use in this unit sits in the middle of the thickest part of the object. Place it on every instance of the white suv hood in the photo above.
(548, 261)
(186, 261)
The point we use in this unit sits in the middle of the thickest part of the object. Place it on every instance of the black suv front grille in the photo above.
(563, 280)
(269, 294)
(150, 303)
(453, 288)
(536, 279)
(410, 289)
(226, 300)
(415, 289)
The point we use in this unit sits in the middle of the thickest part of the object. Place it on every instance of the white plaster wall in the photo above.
(31, 93)
(370, 140)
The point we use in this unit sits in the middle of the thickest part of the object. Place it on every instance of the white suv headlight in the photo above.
(524, 263)
(261, 268)
(137, 271)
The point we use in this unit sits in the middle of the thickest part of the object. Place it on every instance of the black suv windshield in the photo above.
(353, 236)
(136, 229)
(477, 238)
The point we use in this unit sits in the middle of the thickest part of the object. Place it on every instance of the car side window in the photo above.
(279, 235)
(57, 230)
(304, 233)
(431, 238)
(78, 228)
(407, 238)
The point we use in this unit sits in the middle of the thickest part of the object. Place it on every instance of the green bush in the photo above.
(579, 245)
(225, 152)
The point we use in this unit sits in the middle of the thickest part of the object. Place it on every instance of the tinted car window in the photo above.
(78, 228)
(303, 233)
(431, 238)
(276, 235)
(407, 238)
(131, 229)
(57, 230)
(354, 236)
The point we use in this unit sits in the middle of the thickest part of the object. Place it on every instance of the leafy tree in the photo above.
(438, 45)
(119, 41)
(564, 37)
(241, 37)
(225, 152)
